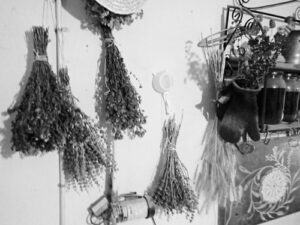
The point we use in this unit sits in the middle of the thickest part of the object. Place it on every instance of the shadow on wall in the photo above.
(5, 132)
(76, 8)
(198, 72)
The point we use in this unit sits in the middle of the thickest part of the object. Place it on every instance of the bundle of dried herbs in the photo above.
(216, 171)
(122, 100)
(264, 52)
(36, 127)
(173, 191)
(84, 150)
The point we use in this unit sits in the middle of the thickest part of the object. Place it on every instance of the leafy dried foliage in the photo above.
(84, 150)
(173, 191)
(264, 53)
(36, 126)
(47, 118)
(122, 100)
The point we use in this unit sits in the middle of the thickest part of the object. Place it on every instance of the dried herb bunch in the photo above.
(36, 126)
(216, 173)
(84, 151)
(122, 100)
(100, 15)
(264, 52)
(173, 191)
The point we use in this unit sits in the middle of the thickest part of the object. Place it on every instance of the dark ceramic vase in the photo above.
(292, 51)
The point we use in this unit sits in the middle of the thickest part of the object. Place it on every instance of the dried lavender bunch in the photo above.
(84, 151)
(122, 100)
(36, 127)
(173, 191)
(100, 15)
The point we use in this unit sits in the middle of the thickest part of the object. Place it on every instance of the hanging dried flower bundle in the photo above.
(122, 102)
(84, 151)
(48, 119)
(36, 126)
(173, 192)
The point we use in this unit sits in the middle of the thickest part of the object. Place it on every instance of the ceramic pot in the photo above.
(292, 51)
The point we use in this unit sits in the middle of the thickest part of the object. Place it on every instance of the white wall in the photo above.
(28, 189)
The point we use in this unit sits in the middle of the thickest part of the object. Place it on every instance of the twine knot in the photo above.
(41, 58)
(172, 147)
(108, 40)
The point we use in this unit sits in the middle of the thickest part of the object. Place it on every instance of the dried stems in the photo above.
(122, 100)
(35, 127)
(215, 178)
(215, 174)
(48, 119)
(173, 191)
(84, 150)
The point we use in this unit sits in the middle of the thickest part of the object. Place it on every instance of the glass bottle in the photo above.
(298, 83)
(291, 98)
(275, 97)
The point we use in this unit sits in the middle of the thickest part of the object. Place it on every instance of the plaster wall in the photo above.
(161, 40)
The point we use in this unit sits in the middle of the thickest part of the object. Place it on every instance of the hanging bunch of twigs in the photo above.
(215, 174)
(122, 100)
(173, 191)
(36, 127)
(84, 150)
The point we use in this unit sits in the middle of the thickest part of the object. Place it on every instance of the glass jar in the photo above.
(275, 97)
(292, 96)
(298, 83)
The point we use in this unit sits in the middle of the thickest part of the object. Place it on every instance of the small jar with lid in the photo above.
(275, 98)
(292, 96)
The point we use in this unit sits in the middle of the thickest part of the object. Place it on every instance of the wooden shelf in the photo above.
(288, 67)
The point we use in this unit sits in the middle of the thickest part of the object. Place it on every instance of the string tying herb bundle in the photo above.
(84, 151)
(36, 125)
(173, 191)
(215, 174)
(122, 102)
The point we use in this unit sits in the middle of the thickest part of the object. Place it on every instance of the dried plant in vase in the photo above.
(36, 128)
(122, 102)
(173, 191)
(84, 150)
(257, 57)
